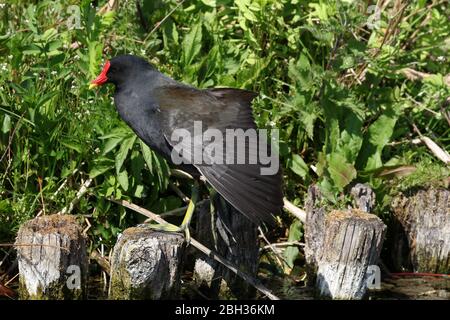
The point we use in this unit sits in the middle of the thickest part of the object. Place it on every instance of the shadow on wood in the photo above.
(423, 218)
(235, 238)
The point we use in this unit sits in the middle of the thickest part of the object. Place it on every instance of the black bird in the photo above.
(154, 105)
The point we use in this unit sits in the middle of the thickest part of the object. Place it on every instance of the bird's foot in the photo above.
(168, 227)
(184, 227)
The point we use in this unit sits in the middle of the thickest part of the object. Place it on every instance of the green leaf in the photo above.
(244, 7)
(192, 43)
(72, 145)
(351, 138)
(137, 164)
(101, 166)
(147, 154)
(95, 53)
(121, 131)
(111, 144)
(6, 124)
(295, 234)
(340, 170)
(122, 177)
(378, 136)
(162, 173)
(123, 152)
(139, 191)
(299, 166)
(210, 3)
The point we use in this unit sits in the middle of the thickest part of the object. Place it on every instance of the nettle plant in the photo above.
(351, 96)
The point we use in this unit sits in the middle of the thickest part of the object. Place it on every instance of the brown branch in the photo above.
(102, 261)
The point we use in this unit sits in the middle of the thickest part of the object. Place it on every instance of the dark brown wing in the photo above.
(256, 196)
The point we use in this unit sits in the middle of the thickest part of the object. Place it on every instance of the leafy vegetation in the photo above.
(346, 86)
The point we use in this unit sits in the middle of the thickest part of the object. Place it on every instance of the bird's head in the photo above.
(121, 69)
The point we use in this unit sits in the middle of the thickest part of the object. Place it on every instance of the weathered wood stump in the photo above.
(341, 248)
(146, 264)
(424, 217)
(314, 232)
(52, 258)
(363, 196)
(352, 245)
(235, 238)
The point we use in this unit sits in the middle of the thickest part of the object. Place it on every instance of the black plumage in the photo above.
(153, 105)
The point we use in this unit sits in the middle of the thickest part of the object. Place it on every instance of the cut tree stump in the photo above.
(235, 238)
(53, 263)
(314, 232)
(352, 244)
(341, 248)
(146, 264)
(363, 196)
(423, 217)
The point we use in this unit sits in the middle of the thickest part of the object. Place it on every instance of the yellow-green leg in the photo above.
(186, 220)
(190, 212)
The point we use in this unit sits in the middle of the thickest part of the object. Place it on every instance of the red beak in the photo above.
(102, 78)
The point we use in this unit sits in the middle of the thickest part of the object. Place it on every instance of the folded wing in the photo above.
(257, 196)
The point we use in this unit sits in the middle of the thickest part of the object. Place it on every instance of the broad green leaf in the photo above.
(210, 3)
(101, 166)
(162, 173)
(244, 7)
(192, 44)
(295, 234)
(340, 170)
(49, 34)
(299, 166)
(118, 132)
(95, 53)
(123, 152)
(147, 154)
(351, 138)
(122, 177)
(377, 137)
(6, 124)
(72, 145)
(139, 191)
(111, 144)
(137, 162)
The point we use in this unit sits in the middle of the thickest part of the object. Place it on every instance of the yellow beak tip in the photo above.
(92, 86)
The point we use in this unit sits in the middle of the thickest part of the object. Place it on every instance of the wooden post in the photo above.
(424, 219)
(235, 238)
(146, 264)
(352, 244)
(340, 246)
(363, 196)
(52, 258)
(314, 232)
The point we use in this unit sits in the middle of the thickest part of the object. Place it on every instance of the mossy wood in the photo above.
(146, 264)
